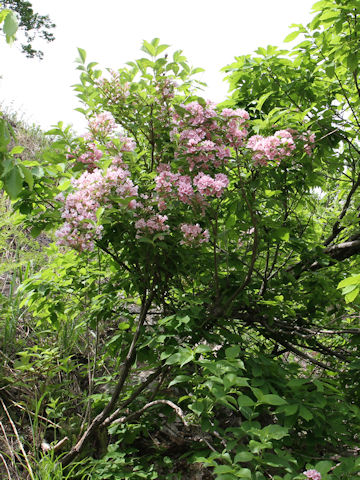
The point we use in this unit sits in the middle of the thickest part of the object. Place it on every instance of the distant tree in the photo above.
(32, 24)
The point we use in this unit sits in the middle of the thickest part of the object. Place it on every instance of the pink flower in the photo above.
(193, 234)
(91, 156)
(103, 124)
(154, 224)
(312, 474)
(272, 148)
(207, 185)
(128, 144)
(92, 191)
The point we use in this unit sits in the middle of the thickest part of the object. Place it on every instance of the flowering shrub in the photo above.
(206, 215)
(208, 147)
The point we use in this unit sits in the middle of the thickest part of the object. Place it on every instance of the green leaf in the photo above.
(223, 469)
(292, 36)
(352, 295)
(290, 409)
(275, 460)
(148, 48)
(179, 379)
(305, 413)
(282, 233)
(330, 71)
(159, 49)
(262, 100)
(352, 61)
(232, 379)
(10, 26)
(185, 355)
(353, 280)
(318, 6)
(324, 466)
(197, 407)
(271, 193)
(3, 14)
(202, 348)
(243, 457)
(243, 473)
(29, 179)
(245, 401)
(276, 432)
(272, 399)
(13, 183)
(16, 150)
(348, 289)
(232, 352)
(99, 213)
(258, 393)
(82, 54)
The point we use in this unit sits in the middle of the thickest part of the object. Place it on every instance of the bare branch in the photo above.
(336, 227)
(134, 395)
(137, 414)
(21, 446)
(53, 448)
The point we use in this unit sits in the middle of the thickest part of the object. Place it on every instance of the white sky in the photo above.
(210, 32)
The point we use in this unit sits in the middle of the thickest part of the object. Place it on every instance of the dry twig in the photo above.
(18, 439)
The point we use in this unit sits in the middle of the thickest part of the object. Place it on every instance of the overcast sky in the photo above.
(210, 32)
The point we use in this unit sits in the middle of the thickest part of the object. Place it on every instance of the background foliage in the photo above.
(31, 25)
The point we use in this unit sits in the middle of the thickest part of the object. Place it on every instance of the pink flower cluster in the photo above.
(127, 144)
(193, 234)
(205, 137)
(203, 143)
(103, 124)
(200, 136)
(236, 126)
(312, 474)
(91, 155)
(207, 185)
(154, 224)
(272, 148)
(92, 190)
(101, 127)
(174, 185)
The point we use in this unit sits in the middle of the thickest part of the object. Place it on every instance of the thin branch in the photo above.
(216, 268)
(254, 248)
(336, 227)
(53, 448)
(305, 356)
(12, 454)
(344, 93)
(6, 467)
(113, 256)
(355, 331)
(136, 414)
(134, 395)
(338, 252)
(18, 440)
(265, 276)
(33, 413)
